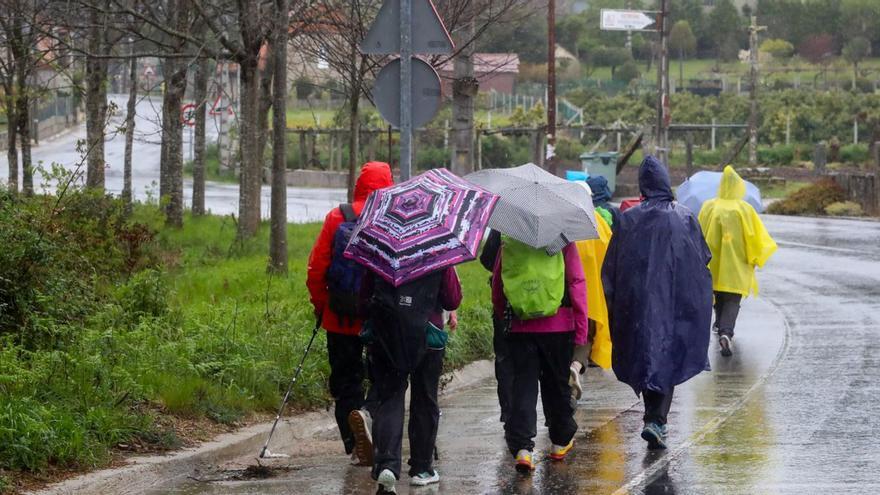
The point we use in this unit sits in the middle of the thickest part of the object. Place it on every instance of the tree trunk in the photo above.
(251, 166)
(278, 232)
(11, 140)
(464, 89)
(172, 135)
(681, 68)
(201, 97)
(23, 121)
(129, 134)
(96, 103)
(354, 142)
(265, 99)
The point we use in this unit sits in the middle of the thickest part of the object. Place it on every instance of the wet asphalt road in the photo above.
(793, 411)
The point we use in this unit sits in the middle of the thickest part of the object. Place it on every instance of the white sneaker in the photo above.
(361, 425)
(574, 381)
(425, 479)
(387, 482)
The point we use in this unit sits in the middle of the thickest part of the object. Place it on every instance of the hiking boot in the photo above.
(524, 462)
(724, 343)
(558, 452)
(386, 482)
(361, 424)
(574, 381)
(653, 434)
(426, 478)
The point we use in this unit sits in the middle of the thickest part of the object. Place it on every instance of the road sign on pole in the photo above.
(425, 92)
(624, 20)
(188, 114)
(406, 27)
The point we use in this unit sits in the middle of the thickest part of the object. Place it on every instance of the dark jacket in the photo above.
(658, 289)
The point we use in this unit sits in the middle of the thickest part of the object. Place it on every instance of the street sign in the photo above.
(429, 35)
(624, 20)
(188, 114)
(425, 92)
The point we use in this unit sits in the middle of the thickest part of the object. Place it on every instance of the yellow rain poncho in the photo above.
(592, 254)
(736, 236)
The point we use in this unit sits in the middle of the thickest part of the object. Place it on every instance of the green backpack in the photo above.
(534, 282)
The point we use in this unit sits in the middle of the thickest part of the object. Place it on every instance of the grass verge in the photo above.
(113, 342)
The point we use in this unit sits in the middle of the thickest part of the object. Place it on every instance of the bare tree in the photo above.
(98, 47)
(278, 231)
(200, 94)
(131, 108)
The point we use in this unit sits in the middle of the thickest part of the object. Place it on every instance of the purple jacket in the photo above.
(567, 318)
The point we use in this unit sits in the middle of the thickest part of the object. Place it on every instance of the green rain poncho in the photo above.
(736, 236)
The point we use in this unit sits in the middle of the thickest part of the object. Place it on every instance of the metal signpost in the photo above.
(407, 27)
(639, 20)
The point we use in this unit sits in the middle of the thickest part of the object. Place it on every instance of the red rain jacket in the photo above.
(374, 175)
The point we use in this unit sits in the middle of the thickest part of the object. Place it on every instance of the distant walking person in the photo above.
(503, 363)
(543, 301)
(659, 294)
(407, 325)
(739, 243)
(334, 284)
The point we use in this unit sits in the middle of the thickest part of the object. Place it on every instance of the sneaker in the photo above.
(524, 463)
(574, 381)
(426, 478)
(663, 431)
(558, 452)
(724, 343)
(361, 424)
(653, 434)
(387, 482)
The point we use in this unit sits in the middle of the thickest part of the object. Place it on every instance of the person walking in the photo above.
(659, 294)
(598, 353)
(739, 242)
(503, 362)
(407, 325)
(334, 285)
(542, 299)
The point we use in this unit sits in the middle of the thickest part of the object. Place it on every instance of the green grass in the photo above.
(207, 334)
(306, 117)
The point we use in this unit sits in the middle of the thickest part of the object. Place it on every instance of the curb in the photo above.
(144, 473)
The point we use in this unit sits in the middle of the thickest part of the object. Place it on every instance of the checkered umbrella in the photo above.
(417, 227)
(538, 208)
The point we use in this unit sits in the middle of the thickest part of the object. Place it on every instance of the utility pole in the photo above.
(663, 116)
(405, 89)
(551, 79)
(753, 90)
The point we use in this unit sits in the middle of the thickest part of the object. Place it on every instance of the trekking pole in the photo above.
(265, 453)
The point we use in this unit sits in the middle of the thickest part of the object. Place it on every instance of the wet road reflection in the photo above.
(793, 411)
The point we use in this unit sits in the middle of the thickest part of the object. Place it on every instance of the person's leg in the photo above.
(657, 406)
(390, 388)
(345, 353)
(424, 413)
(521, 428)
(729, 311)
(555, 352)
(716, 306)
(503, 366)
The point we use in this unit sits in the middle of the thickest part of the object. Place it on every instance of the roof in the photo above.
(486, 63)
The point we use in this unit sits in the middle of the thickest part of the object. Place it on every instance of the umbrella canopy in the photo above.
(425, 224)
(538, 208)
(703, 186)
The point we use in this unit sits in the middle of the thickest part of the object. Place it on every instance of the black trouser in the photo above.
(347, 371)
(726, 311)
(657, 406)
(503, 366)
(543, 358)
(424, 413)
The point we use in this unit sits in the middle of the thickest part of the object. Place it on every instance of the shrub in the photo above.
(627, 72)
(811, 200)
(844, 209)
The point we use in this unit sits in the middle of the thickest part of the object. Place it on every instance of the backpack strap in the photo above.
(348, 212)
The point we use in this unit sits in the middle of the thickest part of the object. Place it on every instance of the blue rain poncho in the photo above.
(658, 288)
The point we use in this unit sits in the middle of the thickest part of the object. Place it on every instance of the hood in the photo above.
(601, 191)
(374, 175)
(732, 186)
(654, 180)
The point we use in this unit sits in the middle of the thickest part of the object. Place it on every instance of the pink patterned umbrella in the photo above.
(425, 224)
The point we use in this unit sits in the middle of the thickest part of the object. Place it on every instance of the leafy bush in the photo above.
(627, 72)
(844, 209)
(810, 200)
